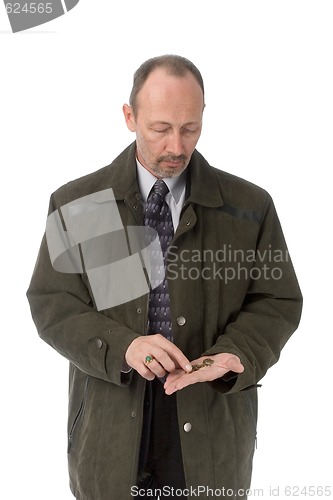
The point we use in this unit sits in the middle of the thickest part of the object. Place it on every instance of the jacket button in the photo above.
(98, 343)
(181, 320)
(139, 310)
(187, 427)
(133, 414)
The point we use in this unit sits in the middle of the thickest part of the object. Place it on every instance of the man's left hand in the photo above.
(223, 363)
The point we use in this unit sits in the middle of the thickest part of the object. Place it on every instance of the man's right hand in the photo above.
(166, 356)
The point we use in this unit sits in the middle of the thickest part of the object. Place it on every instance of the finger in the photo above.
(177, 381)
(144, 371)
(179, 359)
(180, 381)
(165, 358)
(188, 377)
(235, 365)
(142, 348)
(174, 376)
(156, 368)
(164, 351)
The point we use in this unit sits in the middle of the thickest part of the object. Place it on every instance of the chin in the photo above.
(168, 172)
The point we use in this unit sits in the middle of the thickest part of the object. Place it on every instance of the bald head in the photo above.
(173, 65)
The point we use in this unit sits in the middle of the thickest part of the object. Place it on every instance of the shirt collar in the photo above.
(146, 180)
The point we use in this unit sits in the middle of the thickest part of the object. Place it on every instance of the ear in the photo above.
(129, 117)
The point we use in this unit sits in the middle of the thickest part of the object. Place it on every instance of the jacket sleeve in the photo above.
(65, 317)
(270, 312)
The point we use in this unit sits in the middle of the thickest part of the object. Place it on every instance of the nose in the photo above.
(175, 144)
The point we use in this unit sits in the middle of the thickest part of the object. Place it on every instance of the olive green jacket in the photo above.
(232, 289)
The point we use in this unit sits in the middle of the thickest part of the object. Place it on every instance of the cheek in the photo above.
(190, 145)
(150, 148)
(156, 146)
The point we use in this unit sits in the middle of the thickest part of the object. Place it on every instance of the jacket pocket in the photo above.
(77, 419)
(251, 404)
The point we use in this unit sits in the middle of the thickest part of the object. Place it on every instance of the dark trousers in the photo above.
(161, 464)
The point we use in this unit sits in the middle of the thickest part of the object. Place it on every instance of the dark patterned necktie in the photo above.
(158, 216)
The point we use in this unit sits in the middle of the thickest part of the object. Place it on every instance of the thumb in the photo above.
(234, 364)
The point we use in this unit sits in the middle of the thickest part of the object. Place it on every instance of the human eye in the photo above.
(160, 127)
(189, 130)
(163, 131)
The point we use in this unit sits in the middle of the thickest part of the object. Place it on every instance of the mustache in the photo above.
(172, 158)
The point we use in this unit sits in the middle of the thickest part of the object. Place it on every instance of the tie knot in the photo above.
(160, 188)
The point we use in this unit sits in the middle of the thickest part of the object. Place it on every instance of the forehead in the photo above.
(163, 90)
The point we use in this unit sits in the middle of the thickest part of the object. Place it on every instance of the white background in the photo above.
(267, 67)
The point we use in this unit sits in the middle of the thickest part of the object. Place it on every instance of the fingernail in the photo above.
(188, 368)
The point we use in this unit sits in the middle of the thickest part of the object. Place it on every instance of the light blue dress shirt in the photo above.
(176, 196)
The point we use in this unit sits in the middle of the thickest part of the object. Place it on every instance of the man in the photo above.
(163, 387)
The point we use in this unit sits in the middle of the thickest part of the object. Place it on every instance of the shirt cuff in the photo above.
(126, 368)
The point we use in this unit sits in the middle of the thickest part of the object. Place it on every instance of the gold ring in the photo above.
(149, 359)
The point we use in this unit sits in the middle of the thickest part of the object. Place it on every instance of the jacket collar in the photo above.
(203, 184)
(204, 187)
